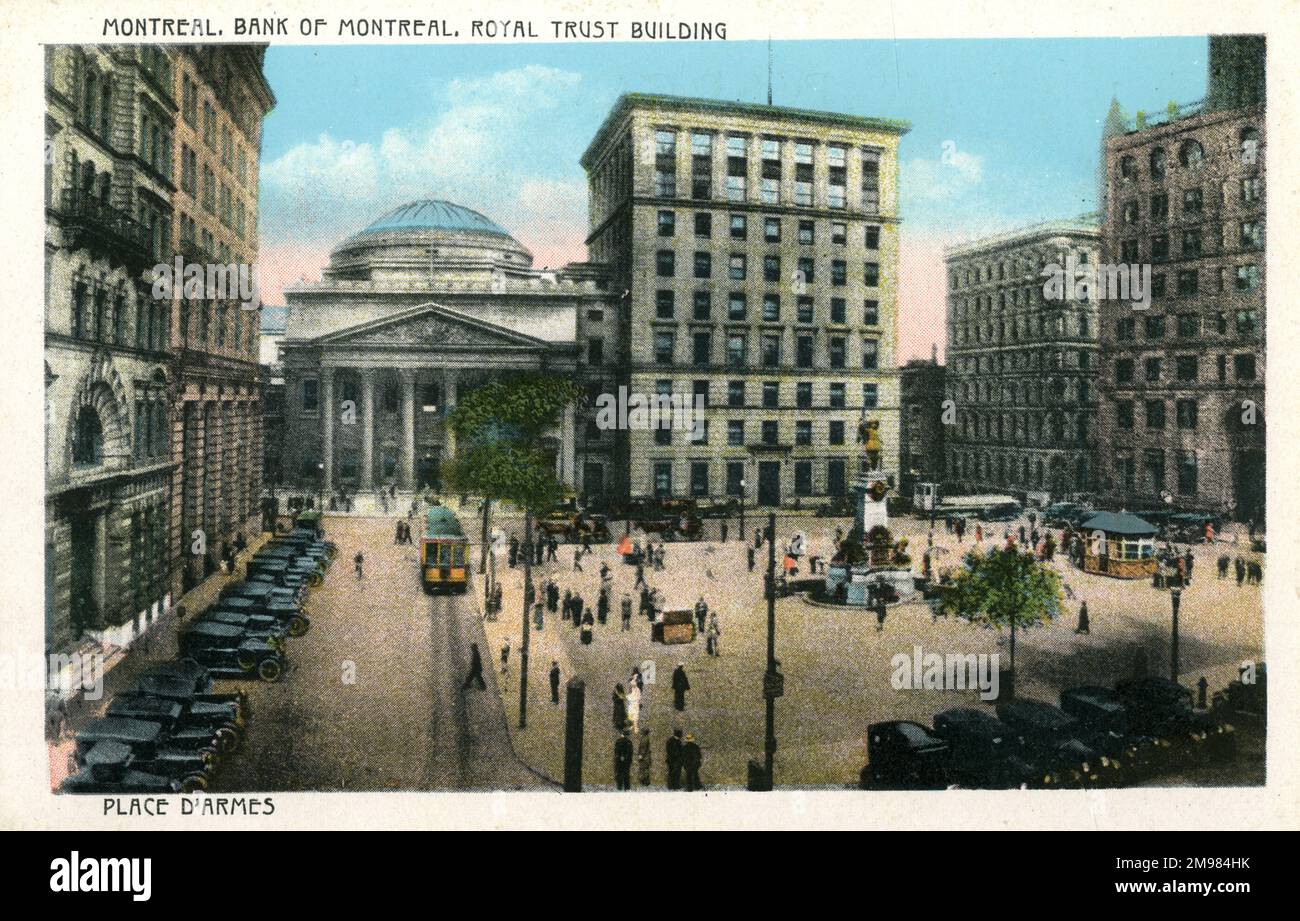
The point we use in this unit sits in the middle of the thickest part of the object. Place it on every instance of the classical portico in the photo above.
(385, 387)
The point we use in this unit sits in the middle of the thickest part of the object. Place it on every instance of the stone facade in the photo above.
(1182, 409)
(108, 380)
(428, 302)
(1021, 365)
(757, 249)
(221, 99)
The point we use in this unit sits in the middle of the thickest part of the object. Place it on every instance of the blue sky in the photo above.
(499, 128)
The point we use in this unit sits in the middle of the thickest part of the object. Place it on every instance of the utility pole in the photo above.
(773, 681)
(523, 647)
(1175, 596)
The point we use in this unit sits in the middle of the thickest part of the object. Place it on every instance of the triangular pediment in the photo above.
(434, 326)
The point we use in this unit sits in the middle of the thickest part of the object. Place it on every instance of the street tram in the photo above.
(444, 552)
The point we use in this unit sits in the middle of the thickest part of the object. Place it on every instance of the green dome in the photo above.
(434, 214)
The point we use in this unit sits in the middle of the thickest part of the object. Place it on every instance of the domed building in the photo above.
(428, 301)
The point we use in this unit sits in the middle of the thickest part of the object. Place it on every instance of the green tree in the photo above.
(1004, 588)
(499, 427)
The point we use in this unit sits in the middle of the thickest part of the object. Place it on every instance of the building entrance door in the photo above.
(427, 471)
(769, 483)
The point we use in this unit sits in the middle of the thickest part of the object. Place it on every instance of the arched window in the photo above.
(1191, 153)
(1128, 168)
(88, 440)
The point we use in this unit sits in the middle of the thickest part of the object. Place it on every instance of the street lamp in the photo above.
(773, 680)
(320, 486)
(742, 510)
(1175, 596)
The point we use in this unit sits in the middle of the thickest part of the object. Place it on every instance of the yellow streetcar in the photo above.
(444, 552)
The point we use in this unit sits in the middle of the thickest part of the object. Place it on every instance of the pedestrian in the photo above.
(640, 575)
(605, 574)
(513, 556)
(758, 538)
(602, 605)
(359, 561)
(701, 614)
(680, 686)
(1255, 572)
(1250, 529)
(722, 528)
(643, 758)
(673, 759)
(692, 761)
(749, 552)
(979, 532)
(552, 548)
(552, 597)
(397, 539)
(539, 621)
(496, 600)
(539, 551)
(839, 536)
(1033, 519)
(568, 603)
(1240, 566)
(475, 669)
(1224, 562)
(713, 635)
(587, 623)
(634, 704)
(1083, 619)
(620, 708)
(623, 762)
(880, 613)
(577, 559)
(505, 656)
(1023, 535)
(578, 608)
(586, 544)
(625, 611)
(555, 682)
(1190, 561)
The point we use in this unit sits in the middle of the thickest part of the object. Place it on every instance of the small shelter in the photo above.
(1119, 544)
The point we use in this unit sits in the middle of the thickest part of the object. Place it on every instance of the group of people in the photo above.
(1248, 572)
(683, 757)
(403, 535)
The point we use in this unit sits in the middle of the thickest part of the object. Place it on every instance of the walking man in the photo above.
(625, 611)
(749, 552)
(505, 656)
(577, 559)
(555, 682)
(359, 562)
(475, 669)
(643, 758)
(713, 634)
(673, 759)
(701, 614)
(680, 686)
(723, 532)
(1083, 619)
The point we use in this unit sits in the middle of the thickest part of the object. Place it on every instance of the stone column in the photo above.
(407, 477)
(449, 381)
(367, 428)
(327, 432)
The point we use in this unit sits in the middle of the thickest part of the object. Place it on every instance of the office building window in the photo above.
(736, 267)
(771, 350)
(871, 274)
(771, 432)
(736, 393)
(664, 343)
(699, 479)
(771, 394)
(807, 233)
(839, 310)
(665, 263)
(736, 350)
(664, 304)
(736, 309)
(702, 348)
(803, 173)
(736, 432)
(836, 398)
(739, 227)
(837, 349)
(771, 308)
(804, 351)
(871, 180)
(772, 229)
(703, 224)
(870, 395)
(772, 268)
(835, 432)
(805, 309)
(803, 395)
(703, 305)
(703, 264)
(871, 313)
(870, 354)
(737, 168)
(663, 473)
(667, 223)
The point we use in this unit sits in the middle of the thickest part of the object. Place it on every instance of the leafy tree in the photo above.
(500, 425)
(1004, 588)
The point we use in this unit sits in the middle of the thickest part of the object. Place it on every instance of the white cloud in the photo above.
(948, 176)
(471, 149)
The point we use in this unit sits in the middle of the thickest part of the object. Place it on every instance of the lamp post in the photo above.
(773, 680)
(743, 537)
(1175, 597)
(320, 487)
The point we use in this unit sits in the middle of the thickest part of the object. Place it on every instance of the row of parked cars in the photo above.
(170, 731)
(1097, 737)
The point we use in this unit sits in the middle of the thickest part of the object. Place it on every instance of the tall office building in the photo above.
(755, 248)
(1021, 363)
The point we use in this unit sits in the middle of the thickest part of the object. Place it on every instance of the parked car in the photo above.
(107, 768)
(1248, 698)
(1063, 514)
(260, 591)
(290, 618)
(987, 753)
(1103, 720)
(195, 722)
(188, 682)
(151, 751)
(903, 755)
(1162, 709)
(229, 651)
(1055, 739)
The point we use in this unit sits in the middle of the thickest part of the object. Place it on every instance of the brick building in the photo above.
(1182, 413)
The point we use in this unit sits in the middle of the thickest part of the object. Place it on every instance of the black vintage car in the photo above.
(260, 591)
(277, 571)
(1248, 698)
(230, 652)
(1103, 722)
(987, 753)
(1054, 737)
(1162, 709)
(152, 751)
(195, 723)
(903, 755)
(289, 618)
(108, 768)
(188, 682)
